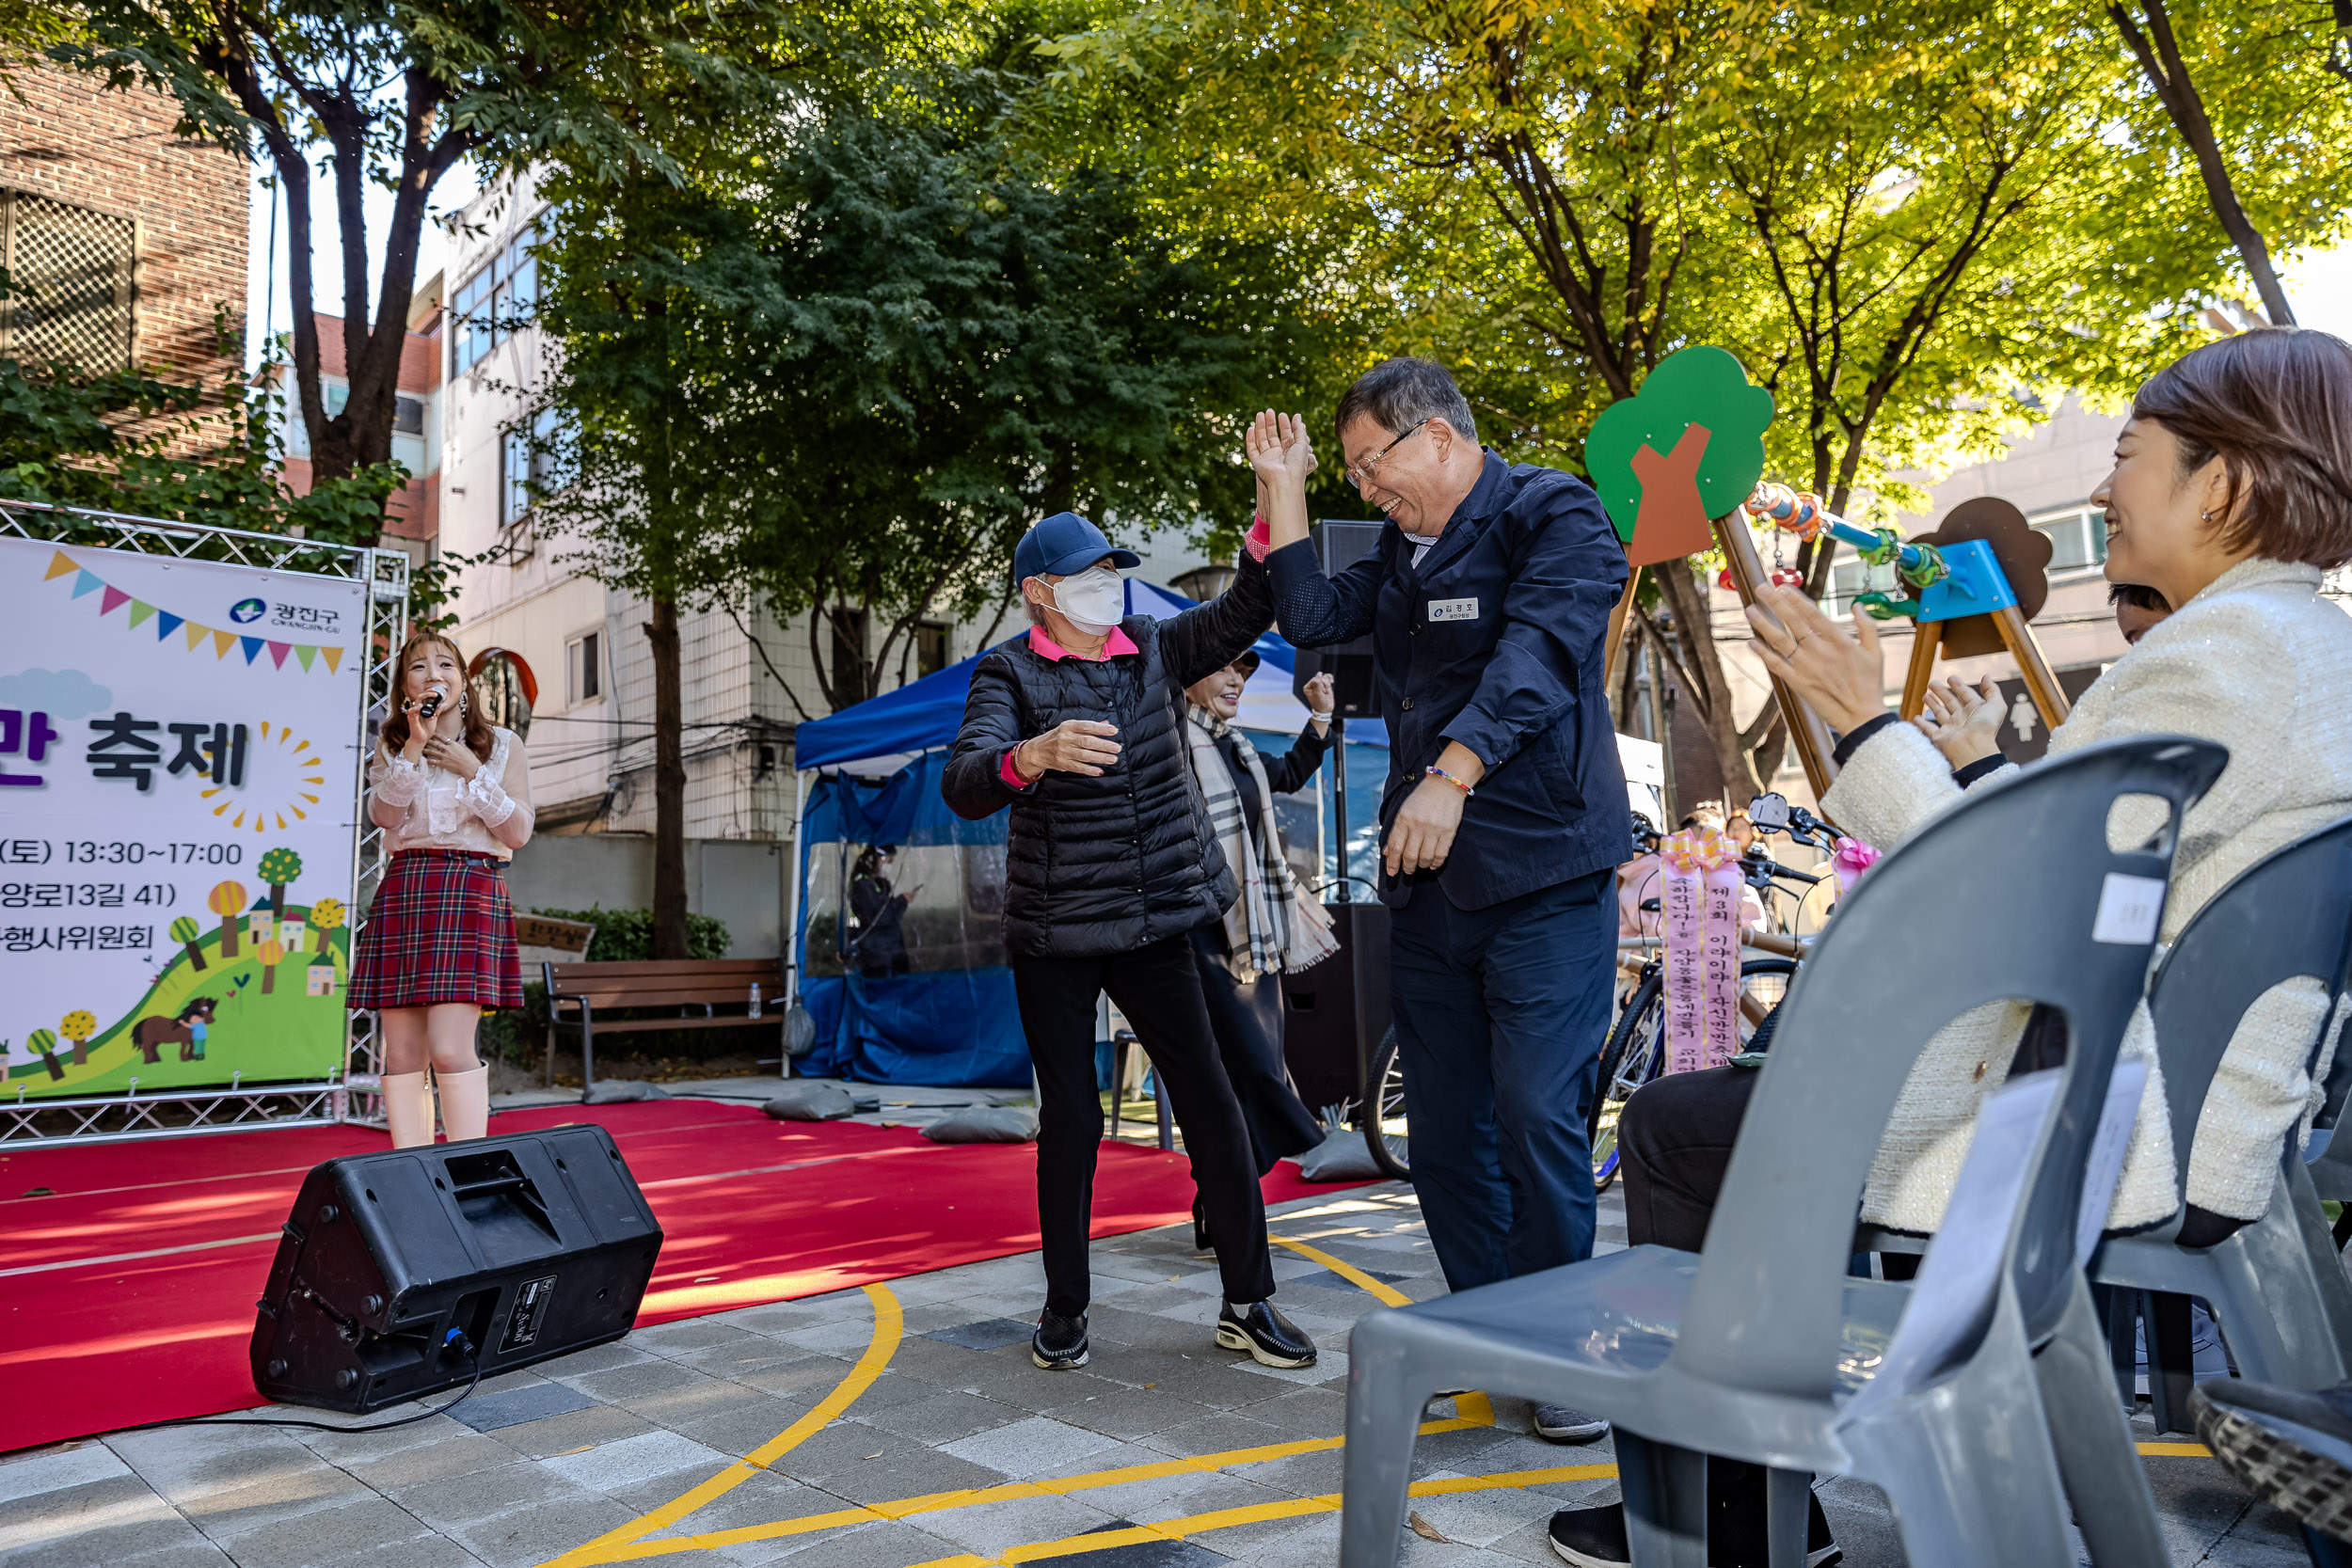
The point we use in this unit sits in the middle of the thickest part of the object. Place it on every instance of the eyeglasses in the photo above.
(1361, 473)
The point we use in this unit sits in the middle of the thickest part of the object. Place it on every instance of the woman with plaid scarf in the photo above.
(1266, 933)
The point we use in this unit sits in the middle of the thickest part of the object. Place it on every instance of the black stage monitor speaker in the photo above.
(392, 1263)
(1339, 1009)
(1340, 544)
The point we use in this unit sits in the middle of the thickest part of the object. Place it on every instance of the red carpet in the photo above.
(94, 1336)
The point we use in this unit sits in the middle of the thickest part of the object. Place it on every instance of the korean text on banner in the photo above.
(1699, 875)
(179, 772)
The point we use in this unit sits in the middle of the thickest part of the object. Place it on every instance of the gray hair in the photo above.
(1037, 610)
(1398, 394)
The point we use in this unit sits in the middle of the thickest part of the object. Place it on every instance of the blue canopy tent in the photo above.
(920, 992)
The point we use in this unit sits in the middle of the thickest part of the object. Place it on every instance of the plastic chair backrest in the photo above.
(1994, 899)
(2289, 914)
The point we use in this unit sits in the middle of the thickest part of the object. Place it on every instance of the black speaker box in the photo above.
(1339, 1009)
(525, 1247)
(1338, 544)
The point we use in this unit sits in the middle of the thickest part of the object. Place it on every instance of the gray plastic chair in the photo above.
(1750, 1348)
(2277, 1285)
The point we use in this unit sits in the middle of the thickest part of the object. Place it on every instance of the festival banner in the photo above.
(179, 762)
(1699, 880)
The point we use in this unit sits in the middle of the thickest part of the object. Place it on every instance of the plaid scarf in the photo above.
(1257, 927)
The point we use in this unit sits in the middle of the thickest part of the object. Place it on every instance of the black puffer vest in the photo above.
(1106, 865)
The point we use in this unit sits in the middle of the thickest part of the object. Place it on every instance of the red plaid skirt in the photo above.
(441, 930)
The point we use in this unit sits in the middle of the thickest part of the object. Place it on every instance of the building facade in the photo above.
(126, 245)
(413, 519)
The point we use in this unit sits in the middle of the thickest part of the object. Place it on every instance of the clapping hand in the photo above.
(1836, 671)
(1964, 724)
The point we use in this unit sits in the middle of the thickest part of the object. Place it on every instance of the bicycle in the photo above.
(1634, 1053)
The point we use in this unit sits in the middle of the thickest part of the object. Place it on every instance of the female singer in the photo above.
(453, 795)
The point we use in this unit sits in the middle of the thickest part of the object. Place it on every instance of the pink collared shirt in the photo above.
(1118, 642)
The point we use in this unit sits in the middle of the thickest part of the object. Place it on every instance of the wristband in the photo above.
(1435, 772)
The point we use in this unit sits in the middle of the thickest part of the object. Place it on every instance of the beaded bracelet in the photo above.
(1435, 772)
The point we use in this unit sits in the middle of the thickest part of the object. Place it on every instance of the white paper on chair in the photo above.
(1953, 1297)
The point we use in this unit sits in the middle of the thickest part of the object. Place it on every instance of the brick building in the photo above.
(125, 239)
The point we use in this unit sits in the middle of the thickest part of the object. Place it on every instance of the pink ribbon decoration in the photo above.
(1699, 899)
(1853, 859)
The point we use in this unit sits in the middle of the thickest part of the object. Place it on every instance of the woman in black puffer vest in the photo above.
(1109, 868)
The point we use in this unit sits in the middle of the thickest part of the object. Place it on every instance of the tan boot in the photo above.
(465, 1103)
(407, 1109)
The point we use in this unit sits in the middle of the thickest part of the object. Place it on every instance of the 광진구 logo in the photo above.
(246, 611)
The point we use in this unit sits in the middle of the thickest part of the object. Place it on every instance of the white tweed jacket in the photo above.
(2260, 663)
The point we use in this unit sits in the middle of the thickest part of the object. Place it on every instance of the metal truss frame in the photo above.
(352, 1094)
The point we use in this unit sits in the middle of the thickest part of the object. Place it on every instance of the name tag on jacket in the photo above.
(1453, 609)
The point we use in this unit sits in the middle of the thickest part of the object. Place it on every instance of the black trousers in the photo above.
(1159, 990)
(1247, 1018)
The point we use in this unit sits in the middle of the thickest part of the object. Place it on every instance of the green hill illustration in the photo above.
(259, 994)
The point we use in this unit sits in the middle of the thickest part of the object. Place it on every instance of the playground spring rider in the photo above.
(1952, 580)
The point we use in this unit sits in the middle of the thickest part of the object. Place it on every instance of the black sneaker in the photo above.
(2292, 1451)
(1265, 1334)
(1059, 1343)
(1557, 1423)
(1594, 1538)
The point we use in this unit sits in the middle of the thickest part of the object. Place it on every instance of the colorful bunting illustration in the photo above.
(111, 598)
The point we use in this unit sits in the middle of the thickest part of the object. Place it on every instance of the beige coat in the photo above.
(2263, 664)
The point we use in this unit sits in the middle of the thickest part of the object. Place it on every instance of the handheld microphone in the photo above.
(435, 696)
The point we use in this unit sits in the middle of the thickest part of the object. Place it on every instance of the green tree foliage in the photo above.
(841, 366)
(1915, 224)
(134, 441)
(390, 95)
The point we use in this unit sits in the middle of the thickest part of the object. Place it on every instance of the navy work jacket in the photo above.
(1494, 641)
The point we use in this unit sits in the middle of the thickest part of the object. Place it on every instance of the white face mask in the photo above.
(1092, 599)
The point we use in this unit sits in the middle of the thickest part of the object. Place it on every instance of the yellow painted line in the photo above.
(889, 1324)
(1471, 1409)
(1255, 1513)
(2176, 1451)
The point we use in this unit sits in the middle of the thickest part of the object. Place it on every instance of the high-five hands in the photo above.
(1281, 458)
(1839, 672)
(1964, 723)
(1072, 746)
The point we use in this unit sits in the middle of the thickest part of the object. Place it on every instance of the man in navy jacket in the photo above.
(1504, 810)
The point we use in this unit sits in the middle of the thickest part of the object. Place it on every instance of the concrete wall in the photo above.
(741, 883)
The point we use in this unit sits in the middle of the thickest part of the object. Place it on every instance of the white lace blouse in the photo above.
(423, 807)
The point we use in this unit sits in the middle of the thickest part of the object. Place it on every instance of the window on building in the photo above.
(2078, 538)
(526, 466)
(930, 648)
(583, 668)
(72, 276)
(849, 655)
(408, 414)
(488, 306)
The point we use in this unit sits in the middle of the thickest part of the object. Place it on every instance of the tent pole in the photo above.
(792, 921)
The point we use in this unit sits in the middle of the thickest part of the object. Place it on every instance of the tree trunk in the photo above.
(2159, 55)
(669, 785)
(1698, 665)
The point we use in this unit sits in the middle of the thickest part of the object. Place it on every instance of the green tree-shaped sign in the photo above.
(1685, 450)
(186, 933)
(278, 867)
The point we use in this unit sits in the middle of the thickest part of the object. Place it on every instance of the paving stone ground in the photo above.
(540, 1463)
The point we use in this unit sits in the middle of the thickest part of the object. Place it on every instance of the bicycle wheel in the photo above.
(1763, 982)
(1628, 1059)
(1384, 1113)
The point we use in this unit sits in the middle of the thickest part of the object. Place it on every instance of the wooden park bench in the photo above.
(708, 993)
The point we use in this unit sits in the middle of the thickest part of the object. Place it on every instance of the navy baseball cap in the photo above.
(1062, 543)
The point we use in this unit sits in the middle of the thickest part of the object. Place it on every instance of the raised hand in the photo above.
(1072, 746)
(1839, 672)
(1964, 723)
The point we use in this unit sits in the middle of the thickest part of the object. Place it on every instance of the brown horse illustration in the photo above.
(153, 1033)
